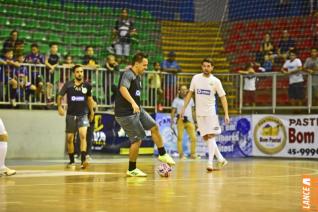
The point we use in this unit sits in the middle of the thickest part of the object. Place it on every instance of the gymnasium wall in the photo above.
(34, 134)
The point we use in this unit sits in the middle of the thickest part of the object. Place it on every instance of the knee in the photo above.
(14, 83)
(155, 130)
(4, 137)
(70, 139)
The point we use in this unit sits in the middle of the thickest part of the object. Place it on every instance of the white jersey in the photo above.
(178, 104)
(292, 66)
(205, 89)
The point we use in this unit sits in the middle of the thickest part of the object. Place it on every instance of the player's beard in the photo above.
(206, 73)
(79, 79)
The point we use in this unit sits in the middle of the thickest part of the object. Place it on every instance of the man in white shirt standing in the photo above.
(187, 122)
(205, 86)
(293, 68)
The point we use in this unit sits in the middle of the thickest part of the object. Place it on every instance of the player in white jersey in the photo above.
(3, 151)
(205, 86)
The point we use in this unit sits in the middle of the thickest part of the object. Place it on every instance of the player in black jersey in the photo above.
(133, 118)
(79, 102)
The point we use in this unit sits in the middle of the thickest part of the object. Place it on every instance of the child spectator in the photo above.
(52, 60)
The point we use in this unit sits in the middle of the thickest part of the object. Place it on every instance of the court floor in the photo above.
(243, 185)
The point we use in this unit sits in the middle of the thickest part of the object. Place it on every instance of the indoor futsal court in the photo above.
(158, 105)
(244, 185)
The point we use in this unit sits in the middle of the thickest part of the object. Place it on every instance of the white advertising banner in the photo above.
(294, 136)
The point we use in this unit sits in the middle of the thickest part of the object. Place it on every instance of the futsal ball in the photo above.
(164, 170)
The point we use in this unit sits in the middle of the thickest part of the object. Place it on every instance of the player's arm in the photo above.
(91, 105)
(60, 109)
(226, 109)
(186, 102)
(62, 92)
(173, 113)
(125, 93)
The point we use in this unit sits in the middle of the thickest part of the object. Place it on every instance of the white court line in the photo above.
(52, 173)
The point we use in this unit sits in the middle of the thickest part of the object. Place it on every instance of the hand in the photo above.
(91, 117)
(135, 108)
(181, 114)
(227, 119)
(61, 111)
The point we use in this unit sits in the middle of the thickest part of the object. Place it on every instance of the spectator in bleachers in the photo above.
(311, 66)
(10, 43)
(89, 58)
(249, 89)
(267, 45)
(7, 74)
(66, 71)
(35, 57)
(293, 68)
(122, 32)
(21, 75)
(52, 60)
(19, 49)
(286, 44)
(171, 66)
(112, 68)
(155, 90)
(267, 65)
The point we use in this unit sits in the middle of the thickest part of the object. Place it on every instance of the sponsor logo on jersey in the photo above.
(137, 92)
(84, 90)
(203, 92)
(77, 98)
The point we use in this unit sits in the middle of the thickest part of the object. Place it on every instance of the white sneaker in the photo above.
(8, 172)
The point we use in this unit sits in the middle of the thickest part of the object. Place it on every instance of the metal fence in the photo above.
(37, 87)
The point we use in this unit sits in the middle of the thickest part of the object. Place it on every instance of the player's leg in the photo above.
(82, 124)
(13, 91)
(190, 128)
(70, 136)
(135, 132)
(180, 128)
(214, 147)
(149, 123)
(83, 146)
(3, 151)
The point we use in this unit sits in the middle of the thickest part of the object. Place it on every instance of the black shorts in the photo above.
(73, 123)
(296, 91)
(136, 124)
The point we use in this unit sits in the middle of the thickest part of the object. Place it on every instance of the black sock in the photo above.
(71, 156)
(132, 165)
(162, 151)
(83, 156)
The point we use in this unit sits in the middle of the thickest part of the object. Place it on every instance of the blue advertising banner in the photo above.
(235, 140)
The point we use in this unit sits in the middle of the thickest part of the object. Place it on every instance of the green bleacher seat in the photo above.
(17, 22)
(54, 38)
(38, 37)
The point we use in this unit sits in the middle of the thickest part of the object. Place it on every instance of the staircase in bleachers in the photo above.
(194, 41)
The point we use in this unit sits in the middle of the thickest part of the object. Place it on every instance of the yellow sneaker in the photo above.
(136, 173)
(8, 172)
(166, 159)
(222, 163)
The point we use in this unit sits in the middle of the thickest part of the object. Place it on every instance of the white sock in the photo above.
(3, 152)
(211, 150)
(216, 150)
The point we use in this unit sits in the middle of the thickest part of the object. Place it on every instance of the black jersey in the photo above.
(132, 82)
(76, 97)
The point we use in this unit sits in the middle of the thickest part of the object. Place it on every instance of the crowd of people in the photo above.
(285, 56)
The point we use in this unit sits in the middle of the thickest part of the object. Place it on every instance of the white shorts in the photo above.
(2, 128)
(122, 49)
(209, 125)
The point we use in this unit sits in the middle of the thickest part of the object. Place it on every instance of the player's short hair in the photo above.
(87, 47)
(53, 44)
(76, 67)
(208, 60)
(5, 51)
(155, 63)
(180, 86)
(138, 57)
(13, 31)
(34, 45)
(294, 51)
